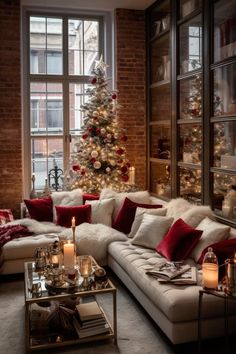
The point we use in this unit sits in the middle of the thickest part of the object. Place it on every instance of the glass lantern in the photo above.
(210, 270)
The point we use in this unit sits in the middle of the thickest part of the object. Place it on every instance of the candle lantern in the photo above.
(210, 270)
(55, 255)
(85, 265)
(230, 271)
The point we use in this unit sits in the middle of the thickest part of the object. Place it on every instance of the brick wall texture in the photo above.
(10, 106)
(131, 64)
(131, 79)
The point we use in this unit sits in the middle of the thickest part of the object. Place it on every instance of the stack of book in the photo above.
(89, 320)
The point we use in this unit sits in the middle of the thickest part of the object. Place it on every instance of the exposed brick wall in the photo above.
(131, 80)
(10, 106)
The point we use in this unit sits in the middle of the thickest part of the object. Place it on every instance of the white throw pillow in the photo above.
(196, 214)
(139, 217)
(67, 198)
(137, 197)
(152, 230)
(102, 211)
(213, 232)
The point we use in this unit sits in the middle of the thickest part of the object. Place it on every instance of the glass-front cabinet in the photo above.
(160, 100)
(191, 47)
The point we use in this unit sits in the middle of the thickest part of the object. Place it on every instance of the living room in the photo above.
(170, 67)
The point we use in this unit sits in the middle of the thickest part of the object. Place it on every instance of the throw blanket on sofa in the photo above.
(10, 232)
(93, 239)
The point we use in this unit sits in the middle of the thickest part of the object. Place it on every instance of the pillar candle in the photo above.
(210, 275)
(69, 256)
(132, 175)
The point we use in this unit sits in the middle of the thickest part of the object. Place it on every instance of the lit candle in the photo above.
(210, 275)
(69, 256)
(55, 260)
(85, 266)
(73, 222)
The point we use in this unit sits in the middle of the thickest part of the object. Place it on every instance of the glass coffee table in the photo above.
(42, 301)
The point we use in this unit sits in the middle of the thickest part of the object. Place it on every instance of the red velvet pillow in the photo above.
(87, 196)
(6, 216)
(179, 241)
(40, 209)
(65, 214)
(126, 214)
(223, 250)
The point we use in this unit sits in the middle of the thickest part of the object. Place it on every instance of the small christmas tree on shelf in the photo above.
(100, 160)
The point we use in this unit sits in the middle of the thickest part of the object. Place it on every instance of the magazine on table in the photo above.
(169, 270)
(189, 277)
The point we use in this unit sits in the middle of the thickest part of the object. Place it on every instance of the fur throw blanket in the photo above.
(38, 227)
(93, 239)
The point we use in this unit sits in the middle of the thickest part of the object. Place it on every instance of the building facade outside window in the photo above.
(61, 53)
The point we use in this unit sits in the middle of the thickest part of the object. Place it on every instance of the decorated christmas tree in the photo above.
(100, 157)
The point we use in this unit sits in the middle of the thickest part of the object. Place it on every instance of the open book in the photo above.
(168, 270)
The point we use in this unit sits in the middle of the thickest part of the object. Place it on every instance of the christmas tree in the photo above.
(100, 160)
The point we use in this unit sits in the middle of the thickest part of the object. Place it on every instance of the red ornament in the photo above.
(90, 129)
(113, 96)
(98, 130)
(84, 136)
(76, 168)
(120, 151)
(94, 80)
(128, 165)
(124, 138)
(92, 160)
(124, 169)
(125, 178)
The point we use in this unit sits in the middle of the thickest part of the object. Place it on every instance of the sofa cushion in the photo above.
(65, 214)
(178, 303)
(102, 211)
(126, 214)
(67, 198)
(179, 241)
(88, 196)
(139, 217)
(138, 197)
(213, 232)
(196, 213)
(223, 250)
(6, 216)
(40, 209)
(152, 230)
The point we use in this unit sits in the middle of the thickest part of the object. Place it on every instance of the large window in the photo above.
(61, 54)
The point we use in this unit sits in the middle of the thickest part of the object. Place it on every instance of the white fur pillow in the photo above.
(196, 214)
(176, 207)
(102, 211)
(67, 198)
(139, 217)
(137, 197)
(213, 232)
(152, 230)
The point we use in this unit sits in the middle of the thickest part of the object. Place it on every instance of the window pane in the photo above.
(45, 155)
(46, 108)
(225, 145)
(190, 44)
(224, 30)
(160, 141)
(225, 90)
(160, 59)
(45, 45)
(222, 184)
(188, 6)
(77, 98)
(190, 184)
(161, 102)
(83, 46)
(191, 98)
(191, 143)
(160, 179)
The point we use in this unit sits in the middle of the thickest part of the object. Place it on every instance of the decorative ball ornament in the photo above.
(120, 151)
(125, 178)
(84, 136)
(108, 169)
(114, 96)
(113, 162)
(97, 165)
(94, 153)
(94, 80)
(124, 169)
(103, 131)
(76, 168)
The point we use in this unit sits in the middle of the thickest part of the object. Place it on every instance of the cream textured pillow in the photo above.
(213, 232)
(176, 207)
(137, 197)
(152, 230)
(102, 211)
(67, 198)
(196, 214)
(139, 217)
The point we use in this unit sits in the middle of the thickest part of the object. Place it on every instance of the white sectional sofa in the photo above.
(174, 308)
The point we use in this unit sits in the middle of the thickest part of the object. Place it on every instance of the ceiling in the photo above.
(102, 5)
